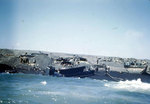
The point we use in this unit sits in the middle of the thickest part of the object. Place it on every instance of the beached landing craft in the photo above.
(76, 72)
(33, 62)
(130, 73)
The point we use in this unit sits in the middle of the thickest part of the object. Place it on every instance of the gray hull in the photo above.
(117, 76)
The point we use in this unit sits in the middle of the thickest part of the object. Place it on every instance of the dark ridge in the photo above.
(4, 68)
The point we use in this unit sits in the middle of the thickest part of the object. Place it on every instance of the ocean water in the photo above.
(38, 89)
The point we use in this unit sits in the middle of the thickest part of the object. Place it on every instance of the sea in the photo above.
(39, 89)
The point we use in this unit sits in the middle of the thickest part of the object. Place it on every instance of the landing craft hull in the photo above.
(76, 72)
(117, 76)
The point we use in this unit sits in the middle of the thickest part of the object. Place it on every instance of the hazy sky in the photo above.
(95, 27)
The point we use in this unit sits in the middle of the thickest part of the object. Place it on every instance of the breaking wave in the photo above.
(133, 85)
(37, 89)
(43, 82)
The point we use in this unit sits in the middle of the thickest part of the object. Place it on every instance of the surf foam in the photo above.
(43, 82)
(133, 85)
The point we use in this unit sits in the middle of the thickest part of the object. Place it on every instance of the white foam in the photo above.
(133, 85)
(79, 78)
(54, 99)
(66, 93)
(29, 90)
(52, 93)
(43, 82)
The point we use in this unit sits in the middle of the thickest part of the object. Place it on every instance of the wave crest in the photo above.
(133, 85)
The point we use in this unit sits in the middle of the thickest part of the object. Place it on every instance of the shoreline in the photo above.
(37, 62)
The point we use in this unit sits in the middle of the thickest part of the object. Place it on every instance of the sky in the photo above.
(96, 27)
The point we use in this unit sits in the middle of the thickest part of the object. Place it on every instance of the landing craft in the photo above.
(76, 72)
(72, 66)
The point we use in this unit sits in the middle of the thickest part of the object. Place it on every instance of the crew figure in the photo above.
(107, 69)
(96, 69)
(51, 70)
